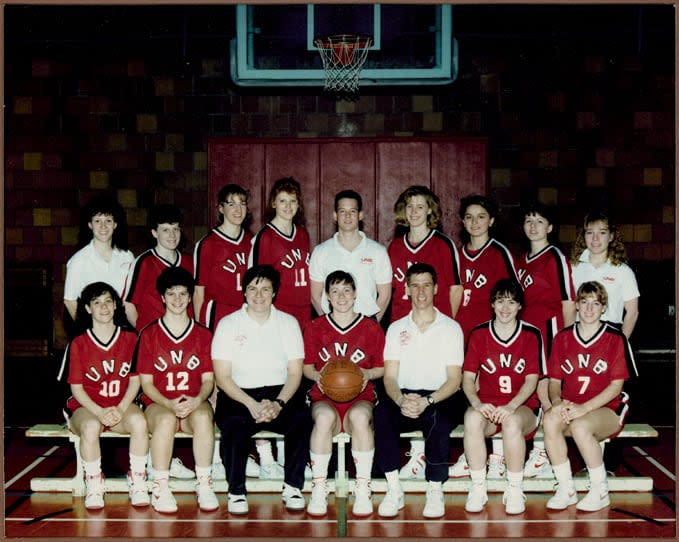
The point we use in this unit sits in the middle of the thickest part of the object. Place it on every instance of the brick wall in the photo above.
(593, 127)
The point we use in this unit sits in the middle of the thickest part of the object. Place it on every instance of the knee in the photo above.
(511, 427)
(90, 430)
(359, 418)
(137, 423)
(551, 422)
(473, 420)
(581, 430)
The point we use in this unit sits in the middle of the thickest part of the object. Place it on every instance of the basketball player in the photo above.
(503, 361)
(589, 363)
(258, 355)
(104, 256)
(423, 358)
(419, 209)
(103, 390)
(173, 359)
(351, 251)
(483, 261)
(545, 276)
(342, 333)
(284, 243)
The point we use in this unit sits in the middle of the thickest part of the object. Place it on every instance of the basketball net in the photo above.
(343, 56)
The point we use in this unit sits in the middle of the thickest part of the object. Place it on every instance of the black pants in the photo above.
(238, 426)
(435, 425)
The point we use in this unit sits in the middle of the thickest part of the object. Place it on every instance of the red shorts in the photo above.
(368, 394)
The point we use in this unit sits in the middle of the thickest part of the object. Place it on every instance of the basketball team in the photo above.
(166, 343)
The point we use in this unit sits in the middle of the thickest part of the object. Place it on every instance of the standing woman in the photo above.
(284, 243)
(346, 334)
(545, 276)
(588, 400)
(418, 209)
(599, 254)
(483, 261)
(103, 389)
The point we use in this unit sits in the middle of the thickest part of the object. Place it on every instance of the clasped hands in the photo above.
(497, 415)
(265, 410)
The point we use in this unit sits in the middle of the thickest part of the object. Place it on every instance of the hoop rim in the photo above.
(359, 41)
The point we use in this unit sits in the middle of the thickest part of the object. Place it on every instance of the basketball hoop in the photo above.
(343, 56)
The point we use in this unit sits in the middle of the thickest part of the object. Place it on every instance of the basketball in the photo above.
(342, 380)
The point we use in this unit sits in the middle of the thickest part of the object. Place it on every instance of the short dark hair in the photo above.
(231, 189)
(349, 194)
(175, 276)
(104, 204)
(165, 213)
(259, 272)
(537, 208)
(339, 276)
(420, 268)
(477, 199)
(83, 319)
(507, 288)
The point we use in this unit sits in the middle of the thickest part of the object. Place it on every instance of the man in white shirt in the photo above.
(258, 354)
(423, 358)
(351, 251)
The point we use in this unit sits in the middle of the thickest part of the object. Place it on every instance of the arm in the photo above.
(631, 315)
(391, 381)
(383, 298)
(568, 311)
(316, 296)
(132, 391)
(131, 313)
(189, 404)
(198, 299)
(153, 393)
(525, 391)
(222, 372)
(610, 392)
(107, 416)
(554, 391)
(71, 306)
(455, 298)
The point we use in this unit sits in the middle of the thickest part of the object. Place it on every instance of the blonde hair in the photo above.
(592, 287)
(616, 252)
(433, 218)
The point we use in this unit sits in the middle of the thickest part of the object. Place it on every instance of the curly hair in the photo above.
(291, 186)
(616, 253)
(83, 319)
(433, 218)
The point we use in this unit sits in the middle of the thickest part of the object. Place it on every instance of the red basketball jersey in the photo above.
(176, 363)
(547, 282)
(362, 342)
(290, 256)
(586, 368)
(502, 365)
(103, 369)
(220, 263)
(140, 289)
(479, 271)
(438, 251)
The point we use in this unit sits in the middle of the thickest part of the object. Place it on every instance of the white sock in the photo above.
(137, 463)
(280, 452)
(416, 447)
(435, 485)
(265, 455)
(92, 468)
(563, 473)
(319, 464)
(498, 449)
(515, 478)
(203, 473)
(597, 475)
(161, 476)
(363, 462)
(216, 458)
(478, 476)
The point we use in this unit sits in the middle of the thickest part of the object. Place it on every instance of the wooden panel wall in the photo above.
(378, 169)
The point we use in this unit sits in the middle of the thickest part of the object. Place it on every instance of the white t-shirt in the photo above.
(619, 281)
(424, 356)
(259, 353)
(87, 266)
(368, 263)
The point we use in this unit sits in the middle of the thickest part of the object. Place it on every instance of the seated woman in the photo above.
(103, 390)
(173, 359)
(342, 334)
(501, 369)
(589, 363)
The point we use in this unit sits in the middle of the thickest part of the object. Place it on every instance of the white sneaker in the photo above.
(136, 485)
(363, 505)
(252, 467)
(318, 503)
(162, 498)
(537, 465)
(477, 497)
(207, 500)
(218, 471)
(94, 497)
(496, 466)
(273, 471)
(178, 470)
(414, 468)
(565, 496)
(460, 469)
(237, 504)
(596, 498)
(393, 502)
(434, 506)
(514, 500)
(293, 499)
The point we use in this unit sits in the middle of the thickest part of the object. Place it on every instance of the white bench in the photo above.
(341, 485)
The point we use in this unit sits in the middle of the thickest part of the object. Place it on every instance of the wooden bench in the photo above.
(341, 485)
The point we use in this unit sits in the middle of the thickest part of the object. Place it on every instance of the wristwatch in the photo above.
(280, 402)
(430, 399)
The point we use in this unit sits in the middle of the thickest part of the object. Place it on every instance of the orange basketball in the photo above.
(342, 380)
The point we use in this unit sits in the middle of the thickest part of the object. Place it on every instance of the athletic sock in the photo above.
(319, 464)
(265, 454)
(92, 468)
(137, 463)
(515, 478)
(563, 472)
(597, 475)
(363, 462)
(416, 446)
